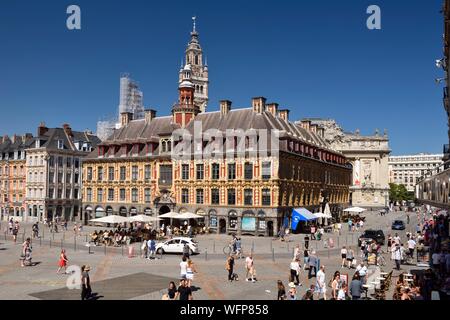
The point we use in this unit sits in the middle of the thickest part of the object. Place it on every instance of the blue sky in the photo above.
(316, 58)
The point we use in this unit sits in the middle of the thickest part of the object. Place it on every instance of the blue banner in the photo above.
(295, 219)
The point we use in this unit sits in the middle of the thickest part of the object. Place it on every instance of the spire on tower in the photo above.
(194, 19)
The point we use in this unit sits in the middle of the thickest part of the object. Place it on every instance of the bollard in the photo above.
(214, 246)
(251, 252)
(89, 249)
(328, 252)
(338, 242)
(23, 237)
(288, 247)
(53, 235)
(86, 238)
(40, 242)
(271, 245)
(43, 233)
(140, 250)
(105, 249)
(206, 255)
(64, 235)
(122, 249)
(253, 246)
(273, 255)
(5, 235)
(75, 244)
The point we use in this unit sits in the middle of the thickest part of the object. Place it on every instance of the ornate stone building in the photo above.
(13, 175)
(368, 156)
(244, 170)
(53, 165)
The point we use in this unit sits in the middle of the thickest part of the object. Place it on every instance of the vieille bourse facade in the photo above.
(134, 172)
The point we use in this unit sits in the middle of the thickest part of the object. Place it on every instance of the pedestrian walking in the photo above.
(294, 272)
(343, 256)
(171, 292)
(313, 232)
(10, 226)
(184, 292)
(350, 223)
(229, 266)
(144, 250)
(356, 287)
(62, 263)
(292, 295)
(186, 250)
(342, 293)
(312, 261)
(151, 247)
(306, 242)
(65, 225)
(249, 268)
(335, 285)
(190, 270)
(86, 290)
(35, 229)
(321, 288)
(15, 231)
(350, 257)
(183, 267)
(281, 291)
(25, 256)
(305, 259)
(238, 244)
(297, 252)
(397, 256)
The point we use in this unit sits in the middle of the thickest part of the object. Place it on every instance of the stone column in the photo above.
(71, 212)
(239, 225)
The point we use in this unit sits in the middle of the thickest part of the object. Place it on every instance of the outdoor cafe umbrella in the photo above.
(355, 209)
(110, 219)
(190, 215)
(143, 218)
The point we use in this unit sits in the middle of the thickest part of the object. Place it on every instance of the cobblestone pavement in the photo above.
(116, 276)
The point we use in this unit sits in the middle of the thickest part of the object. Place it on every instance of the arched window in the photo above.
(196, 59)
(233, 220)
(201, 89)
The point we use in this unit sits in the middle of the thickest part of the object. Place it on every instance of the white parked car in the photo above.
(176, 245)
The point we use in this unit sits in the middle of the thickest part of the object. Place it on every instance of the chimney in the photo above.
(321, 131)
(305, 124)
(313, 128)
(14, 138)
(125, 118)
(1, 139)
(42, 129)
(27, 136)
(149, 115)
(259, 104)
(272, 108)
(284, 114)
(67, 129)
(225, 107)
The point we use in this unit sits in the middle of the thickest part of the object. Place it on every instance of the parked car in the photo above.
(176, 245)
(398, 225)
(370, 235)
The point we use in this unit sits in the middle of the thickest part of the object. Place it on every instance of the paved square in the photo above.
(120, 288)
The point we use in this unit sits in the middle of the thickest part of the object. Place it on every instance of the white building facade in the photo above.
(407, 169)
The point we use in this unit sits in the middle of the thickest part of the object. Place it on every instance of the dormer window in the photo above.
(166, 145)
(60, 144)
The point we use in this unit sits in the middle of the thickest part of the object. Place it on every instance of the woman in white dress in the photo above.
(190, 270)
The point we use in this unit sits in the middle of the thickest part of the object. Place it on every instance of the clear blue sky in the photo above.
(316, 58)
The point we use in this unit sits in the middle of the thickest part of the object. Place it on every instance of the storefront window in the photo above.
(213, 219)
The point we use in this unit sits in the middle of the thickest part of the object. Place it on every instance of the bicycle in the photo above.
(228, 250)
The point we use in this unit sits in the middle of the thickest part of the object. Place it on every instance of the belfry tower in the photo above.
(199, 71)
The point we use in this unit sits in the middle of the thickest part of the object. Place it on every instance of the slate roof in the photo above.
(140, 131)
